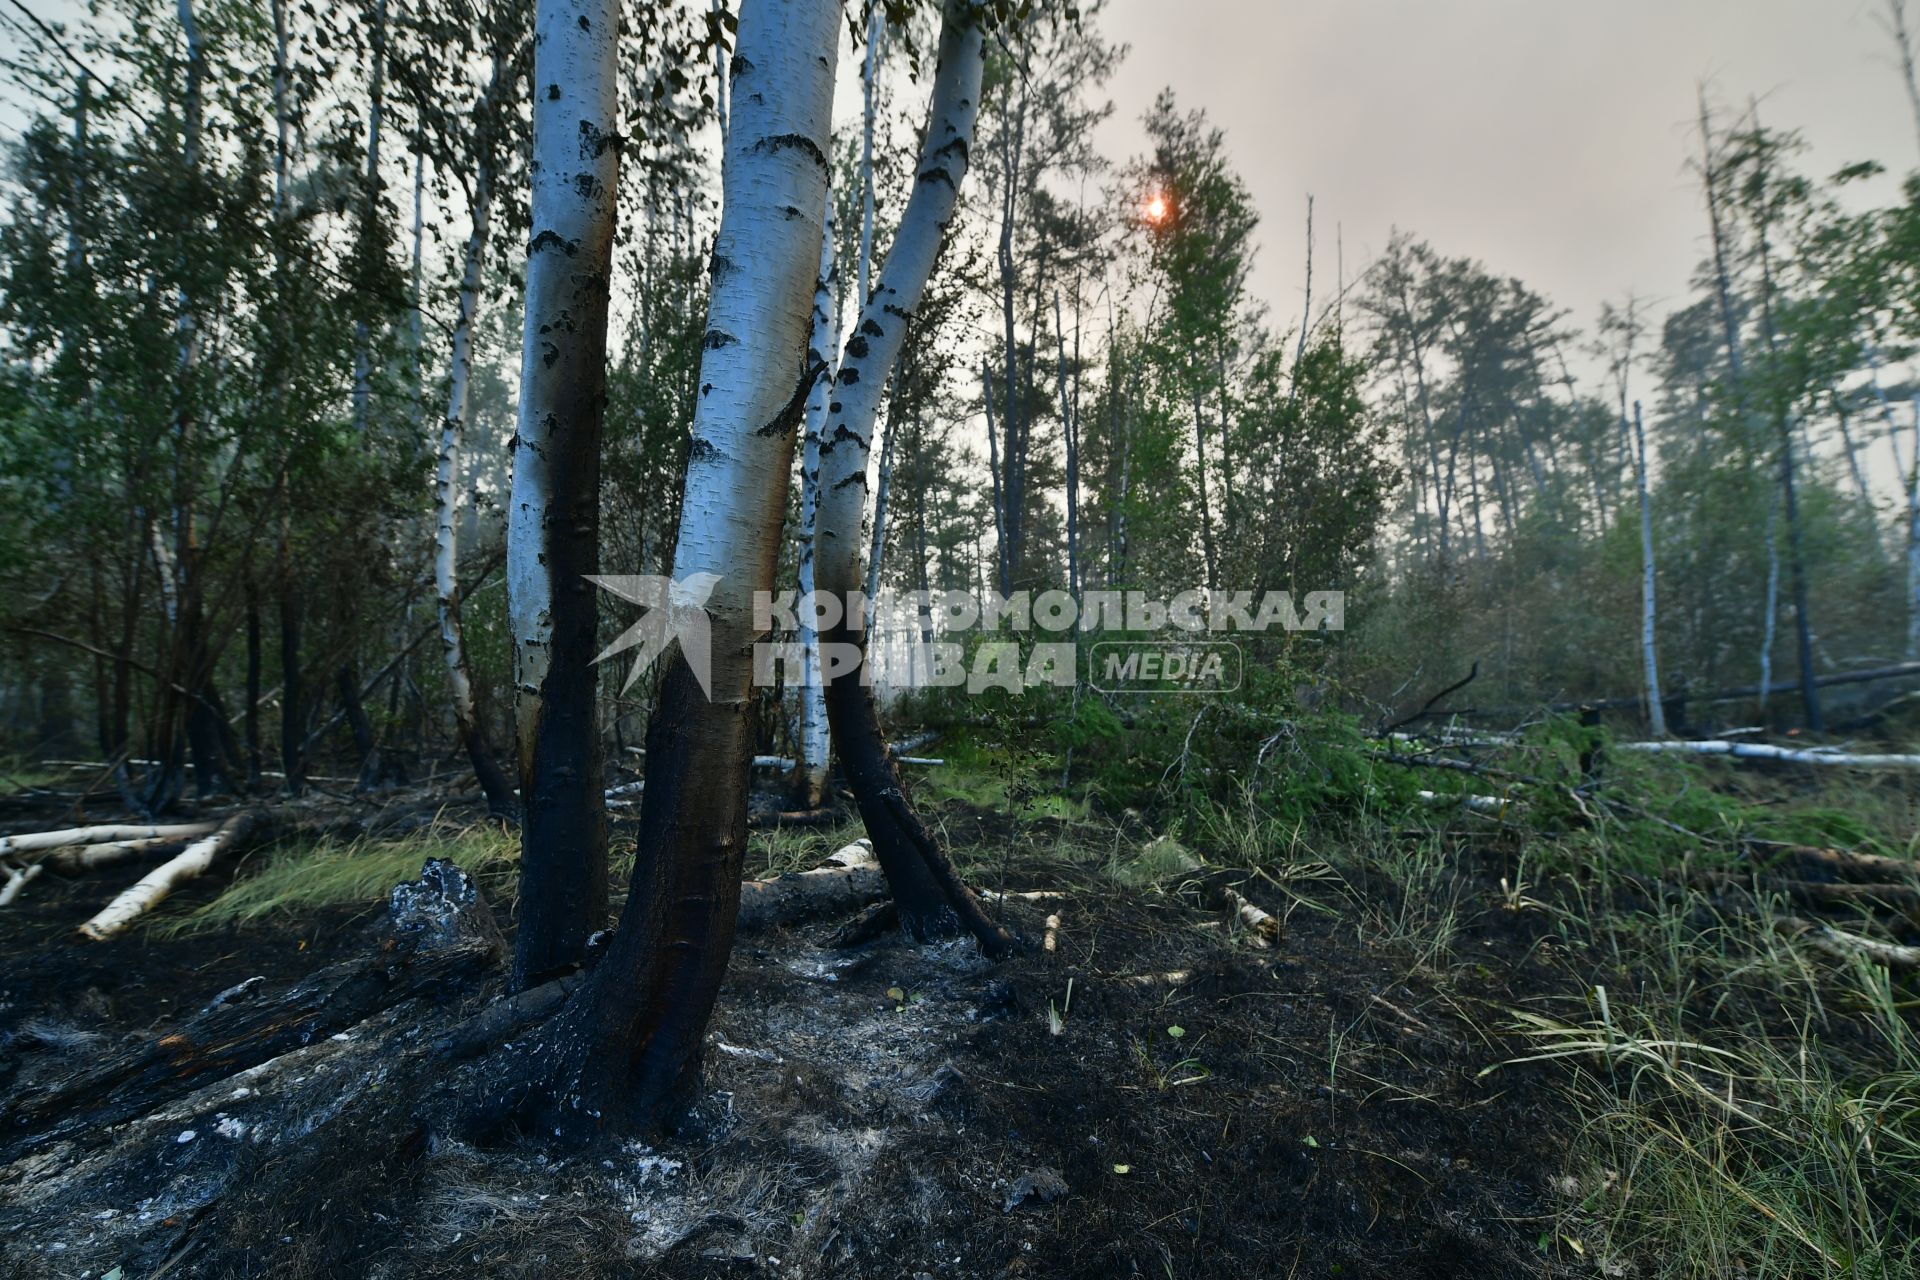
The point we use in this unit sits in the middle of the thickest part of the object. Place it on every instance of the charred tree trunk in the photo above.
(625, 1053)
(932, 900)
(553, 515)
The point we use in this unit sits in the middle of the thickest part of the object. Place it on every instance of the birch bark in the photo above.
(930, 898)
(553, 512)
(447, 473)
(626, 1051)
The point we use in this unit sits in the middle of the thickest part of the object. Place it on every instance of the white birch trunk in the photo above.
(453, 434)
(553, 513)
(1771, 607)
(418, 320)
(362, 335)
(815, 739)
(1913, 541)
(869, 82)
(877, 550)
(871, 350)
(753, 372)
(1656, 713)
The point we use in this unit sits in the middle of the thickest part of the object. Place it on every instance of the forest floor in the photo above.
(1156, 1096)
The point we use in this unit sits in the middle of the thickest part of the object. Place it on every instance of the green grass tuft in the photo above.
(286, 881)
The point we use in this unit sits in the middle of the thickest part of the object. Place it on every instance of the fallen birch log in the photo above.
(1492, 806)
(848, 880)
(1767, 751)
(81, 858)
(1842, 945)
(17, 878)
(1842, 864)
(152, 889)
(1262, 927)
(924, 761)
(913, 743)
(39, 841)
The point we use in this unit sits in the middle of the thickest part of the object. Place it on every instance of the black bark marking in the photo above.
(872, 329)
(958, 144)
(595, 141)
(892, 310)
(551, 239)
(857, 347)
(739, 66)
(553, 93)
(718, 338)
(937, 172)
(795, 408)
(797, 141)
(849, 375)
(843, 432)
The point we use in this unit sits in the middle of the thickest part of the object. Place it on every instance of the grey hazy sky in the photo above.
(1546, 137)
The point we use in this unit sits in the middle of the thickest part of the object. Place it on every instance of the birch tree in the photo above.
(821, 344)
(930, 898)
(626, 1050)
(553, 517)
(481, 195)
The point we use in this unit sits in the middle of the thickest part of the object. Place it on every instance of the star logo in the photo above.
(676, 610)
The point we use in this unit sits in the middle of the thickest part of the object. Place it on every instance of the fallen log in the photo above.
(1819, 893)
(1262, 927)
(1492, 806)
(1842, 864)
(913, 743)
(151, 889)
(1767, 751)
(81, 858)
(443, 939)
(1842, 945)
(41, 841)
(847, 881)
(17, 878)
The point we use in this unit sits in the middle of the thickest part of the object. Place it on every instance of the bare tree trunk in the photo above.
(626, 1051)
(369, 212)
(553, 516)
(446, 580)
(1913, 541)
(878, 549)
(1656, 712)
(930, 897)
(811, 776)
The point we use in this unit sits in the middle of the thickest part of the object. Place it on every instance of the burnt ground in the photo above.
(874, 1111)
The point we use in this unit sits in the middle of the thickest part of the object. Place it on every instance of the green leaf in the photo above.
(1176, 1032)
